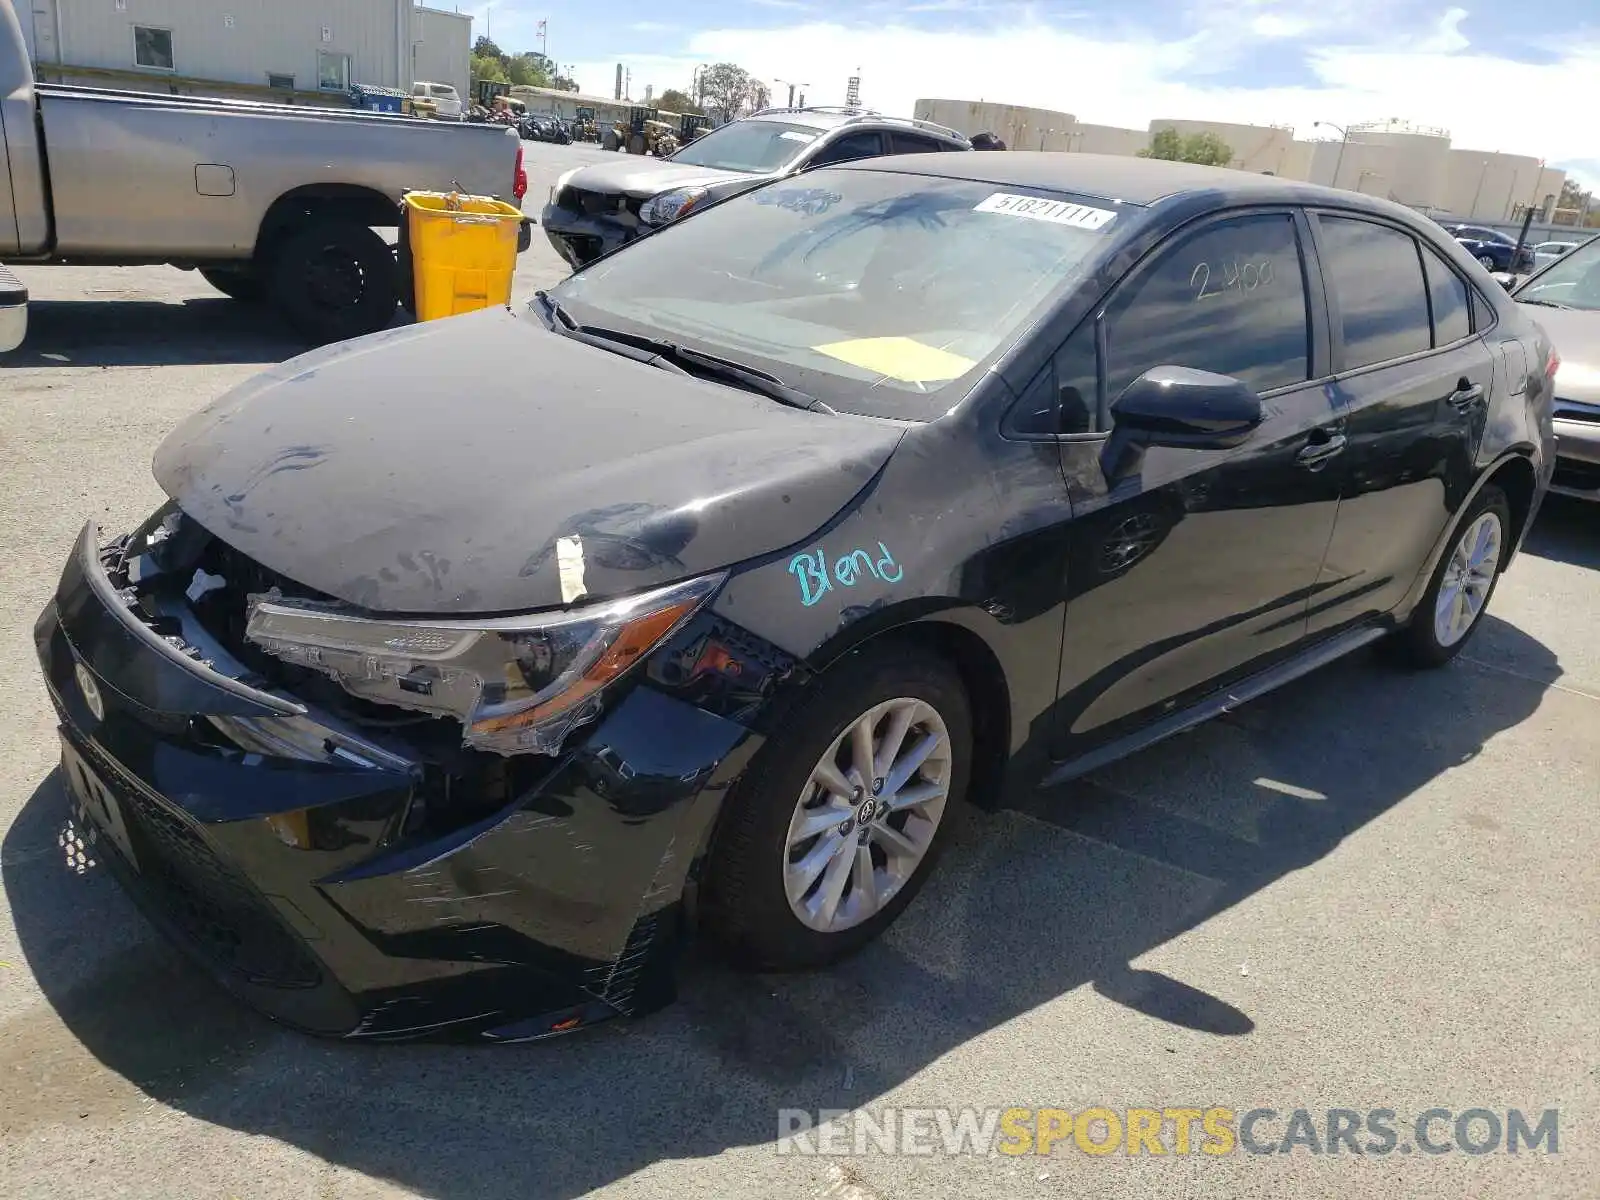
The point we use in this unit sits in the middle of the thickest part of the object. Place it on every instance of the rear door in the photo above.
(1413, 381)
(914, 143)
(860, 143)
(1198, 568)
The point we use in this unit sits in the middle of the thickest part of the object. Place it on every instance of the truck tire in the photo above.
(334, 280)
(237, 283)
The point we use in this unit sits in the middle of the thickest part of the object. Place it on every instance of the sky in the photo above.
(1519, 78)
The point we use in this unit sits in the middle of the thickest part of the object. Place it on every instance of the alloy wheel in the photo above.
(1468, 576)
(867, 815)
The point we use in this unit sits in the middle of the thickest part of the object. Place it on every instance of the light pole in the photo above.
(792, 88)
(697, 84)
(1344, 137)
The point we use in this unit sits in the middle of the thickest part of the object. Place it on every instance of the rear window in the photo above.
(444, 91)
(877, 292)
(1383, 300)
(749, 146)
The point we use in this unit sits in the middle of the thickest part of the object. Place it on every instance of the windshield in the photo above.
(876, 292)
(1571, 281)
(753, 147)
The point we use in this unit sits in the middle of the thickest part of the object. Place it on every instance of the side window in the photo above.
(1376, 274)
(861, 144)
(1062, 397)
(1452, 318)
(1230, 298)
(912, 143)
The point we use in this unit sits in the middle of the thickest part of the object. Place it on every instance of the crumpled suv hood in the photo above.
(433, 469)
(644, 177)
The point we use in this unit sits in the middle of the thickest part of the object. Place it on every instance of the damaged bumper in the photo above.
(357, 877)
(580, 238)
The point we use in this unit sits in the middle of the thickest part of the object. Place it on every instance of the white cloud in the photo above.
(1129, 78)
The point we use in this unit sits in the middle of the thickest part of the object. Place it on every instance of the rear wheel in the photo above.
(1487, 261)
(1458, 594)
(238, 283)
(335, 280)
(839, 821)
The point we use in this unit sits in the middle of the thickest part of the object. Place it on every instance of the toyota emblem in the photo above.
(91, 692)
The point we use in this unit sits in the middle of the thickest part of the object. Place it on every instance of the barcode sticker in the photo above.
(1037, 208)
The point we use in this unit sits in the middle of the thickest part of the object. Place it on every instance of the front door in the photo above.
(1197, 568)
(1415, 383)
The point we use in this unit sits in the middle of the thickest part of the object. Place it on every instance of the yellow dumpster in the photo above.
(463, 251)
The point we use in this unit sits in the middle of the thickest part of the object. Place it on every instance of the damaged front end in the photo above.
(379, 827)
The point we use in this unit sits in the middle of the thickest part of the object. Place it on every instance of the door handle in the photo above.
(1317, 455)
(1466, 395)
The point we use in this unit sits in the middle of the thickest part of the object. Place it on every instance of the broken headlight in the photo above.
(516, 684)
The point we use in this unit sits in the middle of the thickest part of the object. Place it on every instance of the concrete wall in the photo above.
(241, 42)
(1255, 147)
(441, 49)
(1019, 127)
(1106, 139)
(1486, 186)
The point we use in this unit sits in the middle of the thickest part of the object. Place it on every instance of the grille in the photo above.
(589, 204)
(208, 901)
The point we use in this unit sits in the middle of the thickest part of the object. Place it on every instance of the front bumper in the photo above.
(311, 888)
(582, 239)
(1577, 451)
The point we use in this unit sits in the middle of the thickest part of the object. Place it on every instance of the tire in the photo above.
(753, 859)
(1421, 642)
(1488, 262)
(243, 284)
(335, 280)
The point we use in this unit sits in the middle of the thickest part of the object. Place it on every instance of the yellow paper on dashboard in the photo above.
(902, 358)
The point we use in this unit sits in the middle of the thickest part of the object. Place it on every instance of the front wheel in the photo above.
(335, 280)
(839, 821)
(1452, 608)
(1487, 261)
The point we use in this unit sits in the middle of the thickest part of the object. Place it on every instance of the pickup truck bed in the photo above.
(270, 202)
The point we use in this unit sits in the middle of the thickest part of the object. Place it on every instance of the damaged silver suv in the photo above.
(595, 210)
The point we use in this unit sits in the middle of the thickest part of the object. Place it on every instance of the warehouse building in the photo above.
(295, 51)
(1411, 164)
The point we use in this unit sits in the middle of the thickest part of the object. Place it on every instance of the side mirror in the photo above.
(1178, 407)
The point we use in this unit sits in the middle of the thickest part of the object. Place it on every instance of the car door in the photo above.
(1414, 381)
(1197, 568)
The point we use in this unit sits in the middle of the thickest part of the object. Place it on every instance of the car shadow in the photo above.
(1566, 532)
(1027, 906)
(149, 333)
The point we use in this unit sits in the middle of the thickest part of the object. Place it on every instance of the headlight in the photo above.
(669, 206)
(561, 181)
(516, 684)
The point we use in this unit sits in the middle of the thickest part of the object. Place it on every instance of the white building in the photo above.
(304, 51)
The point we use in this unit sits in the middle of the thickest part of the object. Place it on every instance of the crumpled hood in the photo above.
(433, 469)
(635, 175)
(1575, 333)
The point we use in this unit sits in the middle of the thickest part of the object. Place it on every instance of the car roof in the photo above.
(834, 118)
(1140, 181)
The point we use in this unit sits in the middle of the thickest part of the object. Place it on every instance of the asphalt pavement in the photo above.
(1371, 890)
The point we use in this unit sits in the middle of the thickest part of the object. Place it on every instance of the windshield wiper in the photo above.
(1543, 303)
(604, 339)
(672, 357)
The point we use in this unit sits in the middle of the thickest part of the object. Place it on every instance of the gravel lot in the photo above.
(1372, 890)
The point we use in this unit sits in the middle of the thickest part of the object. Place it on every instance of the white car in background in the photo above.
(442, 94)
(1548, 252)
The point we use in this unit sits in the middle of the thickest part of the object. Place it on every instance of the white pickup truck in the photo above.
(271, 203)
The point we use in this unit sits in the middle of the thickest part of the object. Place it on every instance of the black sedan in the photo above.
(472, 665)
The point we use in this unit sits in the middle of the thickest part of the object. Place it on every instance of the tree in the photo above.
(729, 89)
(484, 48)
(530, 70)
(486, 67)
(1207, 149)
(675, 101)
